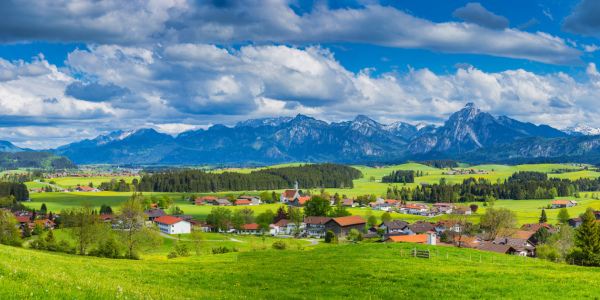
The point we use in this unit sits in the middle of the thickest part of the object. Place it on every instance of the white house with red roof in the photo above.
(563, 203)
(172, 225)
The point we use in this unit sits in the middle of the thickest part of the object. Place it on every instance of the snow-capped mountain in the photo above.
(580, 129)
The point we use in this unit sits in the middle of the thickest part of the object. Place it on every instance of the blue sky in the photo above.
(71, 70)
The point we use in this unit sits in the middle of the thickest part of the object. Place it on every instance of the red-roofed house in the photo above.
(242, 202)
(204, 200)
(23, 219)
(250, 228)
(86, 189)
(535, 227)
(298, 201)
(563, 203)
(172, 225)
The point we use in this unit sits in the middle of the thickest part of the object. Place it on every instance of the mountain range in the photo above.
(469, 135)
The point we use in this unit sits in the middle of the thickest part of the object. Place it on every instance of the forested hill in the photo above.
(310, 176)
(31, 159)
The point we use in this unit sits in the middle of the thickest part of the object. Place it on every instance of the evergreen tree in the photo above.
(540, 236)
(43, 208)
(26, 230)
(543, 218)
(587, 238)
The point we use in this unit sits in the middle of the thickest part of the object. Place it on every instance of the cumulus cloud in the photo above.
(477, 14)
(462, 65)
(95, 92)
(584, 19)
(148, 22)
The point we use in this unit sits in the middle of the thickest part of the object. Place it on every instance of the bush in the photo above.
(281, 245)
(221, 250)
(547, 252)
(360, 237)
(329, 236)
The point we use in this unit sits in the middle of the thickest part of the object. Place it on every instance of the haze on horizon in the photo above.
(71, 70)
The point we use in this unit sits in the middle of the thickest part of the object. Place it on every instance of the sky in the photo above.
(73, 70)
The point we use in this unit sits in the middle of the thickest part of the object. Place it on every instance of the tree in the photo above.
(543, 218)
(219, 218)
(38, 229)
(474, 208)
(26, 230)
(247, 214)
(136, 234)
(352, 235)
(372, 221)
(445, 237)
(84, 226)
(329, 236)
(9, 232)
(281, 214)
(563, 215)
(44, 209)
(540, 236)
(386, 217)
(199, 239)
(175, 210)
(587, 238)
(497, 220)
(266, 197)
(237, 220)
(264, 220)
(340, 211)
(295, 215)
(317, 207)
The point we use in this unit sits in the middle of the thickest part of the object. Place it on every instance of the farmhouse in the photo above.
(575, 222)
(253, 199)
(428, 239)
(393, 226)
(221, 202)
(443, 225)
(523, 247)
(298, 201)
(204, 200)
(86, 189)
(462, 210)
(242, 202)
(347, 202)
(315, 225)
(155, 213)
(563, 203)
(343, 225)
(535, 227)
(498, 248)
(415, 210)
(419, 227)
(250, 228)
(172, 225)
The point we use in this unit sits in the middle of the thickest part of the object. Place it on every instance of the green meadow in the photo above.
(355, 271)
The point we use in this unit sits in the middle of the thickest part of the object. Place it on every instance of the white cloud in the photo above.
(590, 48)
(151, 22)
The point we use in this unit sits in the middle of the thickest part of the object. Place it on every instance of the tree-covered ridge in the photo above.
(32, 159)
(400, 176)
(440, 163)
(310, 176)
(523, 176)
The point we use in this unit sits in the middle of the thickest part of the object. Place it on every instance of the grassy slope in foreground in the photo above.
(316, 274)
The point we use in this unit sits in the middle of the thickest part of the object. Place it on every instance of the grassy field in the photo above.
(72, 182)
(370, 271)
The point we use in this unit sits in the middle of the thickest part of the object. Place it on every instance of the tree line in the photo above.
(518, 187)
(399, 176)
(18, 190)
(310, 176)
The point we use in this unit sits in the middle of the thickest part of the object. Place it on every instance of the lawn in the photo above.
(356, 271)
(72, 182)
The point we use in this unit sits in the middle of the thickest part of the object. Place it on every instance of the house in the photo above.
(285, 226)
(205, 200)
(430, 238)
(107, 217)
(462, 210)
(206, 227)
(498, 248)
(343, 225)
(467, 242)
(575, 222)
(298, 201)
(315, 225)
(523, 247)
(172, 225)
(563, 203)
(419, 227)
(221, 202)
(253, 199)
(535, 227)
(393, 226)
(185, 217)
(385, 206)
(347, 202)
(155, 213)
(250, 228)
(86, 189)
(46, 223)
(415, 210)
(242, 202)
(23, 219)
(444, 225)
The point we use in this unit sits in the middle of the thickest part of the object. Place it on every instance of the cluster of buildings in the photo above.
(241, 201)
(466, 172)
(515, 242)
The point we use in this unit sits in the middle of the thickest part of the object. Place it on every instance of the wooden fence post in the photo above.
(428, 254)
(446, 255)
(401, 249)
(492, 259)
(458, 255)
